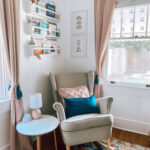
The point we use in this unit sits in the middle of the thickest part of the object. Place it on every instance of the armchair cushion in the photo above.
(86, 121)
(76, 92)
(79, 106)
(79, 91)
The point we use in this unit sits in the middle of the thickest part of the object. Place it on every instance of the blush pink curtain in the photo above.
(10, 39)
(103, 16)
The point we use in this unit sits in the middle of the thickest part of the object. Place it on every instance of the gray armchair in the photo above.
(82, 128)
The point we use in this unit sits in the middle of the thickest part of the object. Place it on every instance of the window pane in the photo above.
(116, 24)
(128, 61)
(127, 22)
(148, 29)
(140, 21)
(2, 92)
(131, 22)
(1, 79)
(3, 84)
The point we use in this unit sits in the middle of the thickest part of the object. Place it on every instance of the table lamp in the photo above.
(35, 104)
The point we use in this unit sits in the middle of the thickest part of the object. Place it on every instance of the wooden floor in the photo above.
(48, 139)
(131, 137)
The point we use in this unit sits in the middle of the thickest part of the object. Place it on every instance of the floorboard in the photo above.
(131, 137)
(47, 140)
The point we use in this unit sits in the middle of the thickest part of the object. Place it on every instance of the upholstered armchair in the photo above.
(82, 128)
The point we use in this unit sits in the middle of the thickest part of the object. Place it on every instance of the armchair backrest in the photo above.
(71, 80)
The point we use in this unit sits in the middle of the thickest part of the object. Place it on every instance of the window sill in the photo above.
(4, 106)
(128, 85)
(4, 100)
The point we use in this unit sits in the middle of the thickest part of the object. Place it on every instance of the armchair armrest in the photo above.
(60, 111)
(105, 104)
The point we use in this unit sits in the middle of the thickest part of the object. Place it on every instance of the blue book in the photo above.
(50, 7)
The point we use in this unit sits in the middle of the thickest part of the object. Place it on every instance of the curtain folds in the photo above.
(103, 16)
(10, 35)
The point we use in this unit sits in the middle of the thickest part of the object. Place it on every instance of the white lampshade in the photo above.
(35, 100)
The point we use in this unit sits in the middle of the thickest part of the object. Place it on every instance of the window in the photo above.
(129, 46)
(3, 91)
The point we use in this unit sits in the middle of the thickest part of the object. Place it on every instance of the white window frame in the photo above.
(3, 70)
(127, 4)
(133, 37)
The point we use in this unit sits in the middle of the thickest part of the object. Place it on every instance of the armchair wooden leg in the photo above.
(106, 146)
(67, 147)
(108, 142)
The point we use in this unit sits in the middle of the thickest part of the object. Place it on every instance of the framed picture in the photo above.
(79, 22)
(79, 33)
(79, 45)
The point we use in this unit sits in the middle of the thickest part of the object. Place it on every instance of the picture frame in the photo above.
(79, 21)
(79, 33)
(79, 45)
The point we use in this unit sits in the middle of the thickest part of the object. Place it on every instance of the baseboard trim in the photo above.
(132, 125)
(6, 147)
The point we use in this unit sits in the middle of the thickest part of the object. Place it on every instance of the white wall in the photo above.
(130, 107)
(4, 125)
(34, 73)
(80, 63)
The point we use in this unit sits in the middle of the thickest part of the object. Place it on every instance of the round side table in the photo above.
(37, 128)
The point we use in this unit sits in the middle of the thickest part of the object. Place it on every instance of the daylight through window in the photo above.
(3, 84)
(129, 47)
